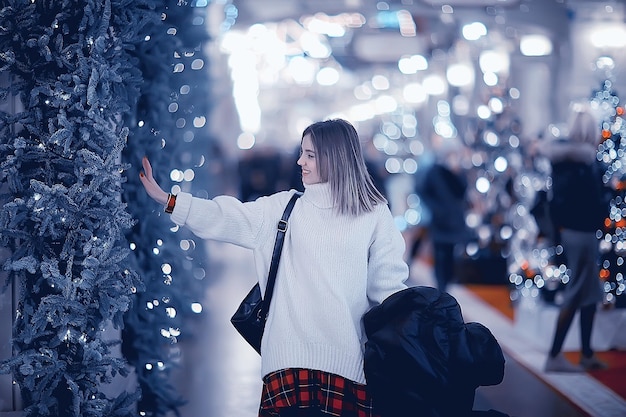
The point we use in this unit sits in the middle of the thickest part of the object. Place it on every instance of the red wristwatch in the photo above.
(171, 202)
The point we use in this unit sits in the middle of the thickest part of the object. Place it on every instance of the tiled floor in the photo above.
(220, 374)
(584, 394)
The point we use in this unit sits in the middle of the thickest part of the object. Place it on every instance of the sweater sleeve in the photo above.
(223, 218)
(387, 270)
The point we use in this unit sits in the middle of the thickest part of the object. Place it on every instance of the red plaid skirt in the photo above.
(322, 391)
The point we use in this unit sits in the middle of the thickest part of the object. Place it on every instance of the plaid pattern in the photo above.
(322, 391)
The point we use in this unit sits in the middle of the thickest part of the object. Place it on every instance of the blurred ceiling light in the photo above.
(477, 159)
(443, 108)
(313, 45)
(245, 141)
(496, 105)
(386, 104)
(483, 112)
(362, 112)
(409, 120)
(249, 112)
(301, 70)
(380, 141)
(490, 78)
(434, 85)
(409, 131)
(199, 121)
(605, 62)
(474, 31)
(444, 127)
(233, 40)
(482, 185)
(491, 138)
(500, 164)
(460, 75)
(391, 130)
(177, 175)
(325, 25)
(535, 45)
(380, 82)
(494, 61)
(391, 148)
(327, 76)
(414, 93)
(393, 165)
(258, 31)
(242, 64)
(362, 92)
(447, 9)
(264, 40)
(416, 147)
(609, 36)
(409, 166)
(412, 64)
(382, 5)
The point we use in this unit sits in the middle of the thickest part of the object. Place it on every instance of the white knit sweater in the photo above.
(333, 268)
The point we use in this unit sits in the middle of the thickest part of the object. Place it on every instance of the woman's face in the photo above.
(308, 162)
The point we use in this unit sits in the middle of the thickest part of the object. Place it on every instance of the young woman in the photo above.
(342, 255)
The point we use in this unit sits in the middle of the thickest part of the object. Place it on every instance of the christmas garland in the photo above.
(72, 72)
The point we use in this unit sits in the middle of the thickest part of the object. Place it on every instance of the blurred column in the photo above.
(9, 395)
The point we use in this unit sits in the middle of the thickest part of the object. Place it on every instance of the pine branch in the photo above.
(63, 218)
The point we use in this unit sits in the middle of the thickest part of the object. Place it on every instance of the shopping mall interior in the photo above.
(499, 76)
(486, 83)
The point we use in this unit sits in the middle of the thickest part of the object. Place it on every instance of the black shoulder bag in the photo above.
(250, 317)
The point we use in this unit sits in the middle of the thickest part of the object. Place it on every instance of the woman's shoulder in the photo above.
(279, 198)
(381, 211)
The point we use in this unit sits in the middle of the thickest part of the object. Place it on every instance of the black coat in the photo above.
(580, 200)
(444, 194)
(421, 359)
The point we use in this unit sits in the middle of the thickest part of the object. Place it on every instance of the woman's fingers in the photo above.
(146, 166)
(149, 183)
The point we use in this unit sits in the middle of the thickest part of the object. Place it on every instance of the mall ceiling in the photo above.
(436, 29)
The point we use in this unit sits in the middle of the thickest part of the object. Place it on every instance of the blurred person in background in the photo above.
(259, 172)
(443, 189)
(578, 207)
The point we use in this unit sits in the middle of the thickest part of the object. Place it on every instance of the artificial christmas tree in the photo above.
(76, 86)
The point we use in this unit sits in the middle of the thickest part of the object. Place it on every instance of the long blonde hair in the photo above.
(341, 163)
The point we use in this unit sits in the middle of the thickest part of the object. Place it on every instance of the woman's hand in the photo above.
(149, 183)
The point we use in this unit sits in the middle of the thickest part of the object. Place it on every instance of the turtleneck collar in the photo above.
(319, 194)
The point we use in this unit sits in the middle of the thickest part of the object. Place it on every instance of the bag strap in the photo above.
(278, 246)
